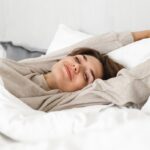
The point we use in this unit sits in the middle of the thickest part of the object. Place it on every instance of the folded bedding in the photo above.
(16, 52)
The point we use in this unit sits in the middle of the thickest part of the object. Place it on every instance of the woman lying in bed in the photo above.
(49, 84)
(80, 68)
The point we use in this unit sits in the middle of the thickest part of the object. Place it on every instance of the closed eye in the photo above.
(92, 73)
(77, 60)
(88, 77)
(85, 77)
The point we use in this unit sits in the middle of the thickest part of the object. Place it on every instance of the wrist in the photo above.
(141, 35)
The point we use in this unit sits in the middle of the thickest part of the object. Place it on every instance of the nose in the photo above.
(76, 67)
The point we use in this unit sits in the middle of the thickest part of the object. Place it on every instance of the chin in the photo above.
(63, 89)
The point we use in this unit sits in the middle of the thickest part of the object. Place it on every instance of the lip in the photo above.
(68, 72)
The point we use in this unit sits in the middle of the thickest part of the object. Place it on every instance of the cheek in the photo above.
(58, 73)
(79, 82)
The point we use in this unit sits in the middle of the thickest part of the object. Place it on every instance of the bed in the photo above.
(104, 127)
(95, 127)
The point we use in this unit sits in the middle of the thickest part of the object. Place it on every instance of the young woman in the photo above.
(49, 85)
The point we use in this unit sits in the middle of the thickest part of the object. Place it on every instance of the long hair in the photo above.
(110, 67)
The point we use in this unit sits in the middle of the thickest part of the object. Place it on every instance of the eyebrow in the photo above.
(85, 58)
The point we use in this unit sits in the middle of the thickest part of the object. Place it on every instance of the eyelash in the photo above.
(86, 77)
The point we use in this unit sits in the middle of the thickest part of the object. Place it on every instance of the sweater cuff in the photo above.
(125, 38)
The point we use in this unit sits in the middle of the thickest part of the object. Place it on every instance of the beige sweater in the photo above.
(25, 80)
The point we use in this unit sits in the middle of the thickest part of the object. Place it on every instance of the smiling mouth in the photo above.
(68, 72)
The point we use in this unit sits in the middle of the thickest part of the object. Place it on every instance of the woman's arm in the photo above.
(139, 35)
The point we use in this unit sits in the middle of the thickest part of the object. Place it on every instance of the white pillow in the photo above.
(132, 54)
(129, 55)
(65, 37)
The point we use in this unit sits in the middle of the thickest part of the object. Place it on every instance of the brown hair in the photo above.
(110, 67)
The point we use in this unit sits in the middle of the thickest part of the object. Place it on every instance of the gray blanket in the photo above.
(16, 52)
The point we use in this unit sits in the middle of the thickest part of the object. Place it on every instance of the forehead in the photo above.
(92, 60)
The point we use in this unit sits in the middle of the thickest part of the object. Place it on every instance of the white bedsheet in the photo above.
(89, 128)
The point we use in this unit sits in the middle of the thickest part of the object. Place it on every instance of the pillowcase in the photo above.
(65, 37)
(133, 54)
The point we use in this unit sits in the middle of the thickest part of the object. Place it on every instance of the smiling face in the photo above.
(75, 72)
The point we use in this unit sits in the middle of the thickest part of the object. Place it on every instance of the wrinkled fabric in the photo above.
(24, 80)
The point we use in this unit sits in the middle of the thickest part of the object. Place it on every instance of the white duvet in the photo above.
(89, 128)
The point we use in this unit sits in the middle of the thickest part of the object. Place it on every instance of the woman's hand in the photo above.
(139, 35)
(148, 33)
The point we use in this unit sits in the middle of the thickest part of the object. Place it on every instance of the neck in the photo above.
(50, 80)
